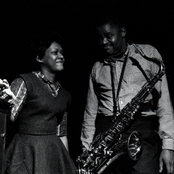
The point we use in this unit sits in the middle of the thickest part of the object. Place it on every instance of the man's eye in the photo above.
(109, 36)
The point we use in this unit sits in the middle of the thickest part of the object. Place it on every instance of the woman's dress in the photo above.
(36, 149)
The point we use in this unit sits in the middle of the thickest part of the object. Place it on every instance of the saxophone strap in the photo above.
(154, 92)
(135, 62)
(116, 109)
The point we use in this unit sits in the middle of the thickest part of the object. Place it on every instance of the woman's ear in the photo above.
(38, 60)
(123, 31)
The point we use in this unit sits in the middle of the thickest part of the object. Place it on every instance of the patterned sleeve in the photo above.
(19, 89)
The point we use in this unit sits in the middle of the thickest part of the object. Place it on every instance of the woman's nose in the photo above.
(60, 56)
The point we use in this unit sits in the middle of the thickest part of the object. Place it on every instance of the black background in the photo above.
(148, 22)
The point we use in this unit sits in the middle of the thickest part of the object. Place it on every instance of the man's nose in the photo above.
(104, 41)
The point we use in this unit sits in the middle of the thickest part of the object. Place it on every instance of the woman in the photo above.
(39, 104)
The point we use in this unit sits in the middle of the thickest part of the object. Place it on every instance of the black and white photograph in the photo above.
(86, 87)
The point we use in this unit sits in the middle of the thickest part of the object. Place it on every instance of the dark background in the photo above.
(148, 22)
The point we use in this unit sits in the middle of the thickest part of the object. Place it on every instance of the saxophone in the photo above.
(108, 146)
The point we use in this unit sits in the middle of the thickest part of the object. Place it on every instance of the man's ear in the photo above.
(39, 60)
(123, 31)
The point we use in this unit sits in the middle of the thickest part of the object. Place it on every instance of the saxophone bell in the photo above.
(134, 145)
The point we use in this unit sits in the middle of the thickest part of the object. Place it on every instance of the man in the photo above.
(133, 65)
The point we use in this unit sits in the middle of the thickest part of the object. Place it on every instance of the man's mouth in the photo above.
(106, 47)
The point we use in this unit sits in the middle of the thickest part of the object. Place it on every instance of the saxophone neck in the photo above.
(157, 60)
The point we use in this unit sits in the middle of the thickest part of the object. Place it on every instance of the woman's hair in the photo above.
(43, 41)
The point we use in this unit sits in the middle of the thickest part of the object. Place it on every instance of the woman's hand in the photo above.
(5, 92)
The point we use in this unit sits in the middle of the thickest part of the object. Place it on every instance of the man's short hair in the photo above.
(112, 19)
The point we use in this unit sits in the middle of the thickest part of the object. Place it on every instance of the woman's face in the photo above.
(53, 60)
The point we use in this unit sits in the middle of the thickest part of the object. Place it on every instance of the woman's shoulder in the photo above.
(30, 80)
(26, 75)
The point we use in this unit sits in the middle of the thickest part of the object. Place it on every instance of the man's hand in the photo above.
(167, 159)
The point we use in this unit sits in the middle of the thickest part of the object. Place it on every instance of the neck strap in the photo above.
(116, 108)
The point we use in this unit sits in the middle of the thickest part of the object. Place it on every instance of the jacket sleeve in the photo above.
(166, 116)
(165, 112)
(88, 124)
(164, 108)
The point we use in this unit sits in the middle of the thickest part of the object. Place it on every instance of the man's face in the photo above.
(112, 39)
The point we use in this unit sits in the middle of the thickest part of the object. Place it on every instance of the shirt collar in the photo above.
(41, 76)
(113, 59)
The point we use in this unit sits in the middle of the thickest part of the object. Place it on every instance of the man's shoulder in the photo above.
(98, 64)
(97, 68)
(144, 49)
(144, 46)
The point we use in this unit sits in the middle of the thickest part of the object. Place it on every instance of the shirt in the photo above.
(18, 87)
(100, 101)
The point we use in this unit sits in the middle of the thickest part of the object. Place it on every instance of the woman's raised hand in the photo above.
(5, 92)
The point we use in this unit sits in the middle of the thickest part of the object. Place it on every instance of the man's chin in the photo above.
(108, 53)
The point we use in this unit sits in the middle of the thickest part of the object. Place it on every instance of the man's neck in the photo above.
(119, 55)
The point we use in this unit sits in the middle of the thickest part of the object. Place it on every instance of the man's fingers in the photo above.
(160, 165)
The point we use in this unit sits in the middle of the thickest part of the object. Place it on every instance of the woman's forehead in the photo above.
(55, 45)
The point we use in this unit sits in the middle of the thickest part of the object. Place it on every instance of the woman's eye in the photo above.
(54, 53)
